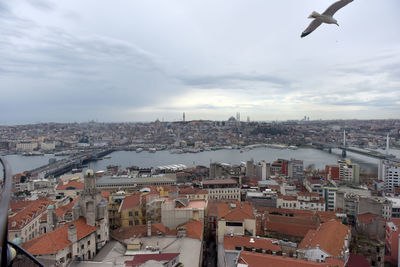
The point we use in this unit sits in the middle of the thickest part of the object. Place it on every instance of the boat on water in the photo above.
(107, 157)
(293, 147)
(35, 153)
(152, 150)
(138, 150)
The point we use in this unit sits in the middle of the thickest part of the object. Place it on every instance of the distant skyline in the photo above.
(122, 61)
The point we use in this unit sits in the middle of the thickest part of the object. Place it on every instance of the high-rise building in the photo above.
(390, 174)
(295, 169)
(250, 168)
(349, 172)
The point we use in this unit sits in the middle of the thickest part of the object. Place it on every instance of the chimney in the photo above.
(72, 234)
(149, 228)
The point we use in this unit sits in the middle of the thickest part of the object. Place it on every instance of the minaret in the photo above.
(344, 144)
(387, 145)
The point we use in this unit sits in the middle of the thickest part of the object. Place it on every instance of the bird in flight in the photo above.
(326, 17)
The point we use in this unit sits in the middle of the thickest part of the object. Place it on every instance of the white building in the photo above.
(26, 146)
(390, 173)
(303, 201)
(349, 172)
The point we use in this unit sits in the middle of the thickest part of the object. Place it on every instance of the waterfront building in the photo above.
(390, 175)
(111, 183)
(296, 170)
(27, 146)
(349, 172)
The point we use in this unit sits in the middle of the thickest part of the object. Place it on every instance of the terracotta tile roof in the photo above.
(330, 237)
(324, 216)
(105, 194)
(130, 202)
(23, 212)
(194, 229)
(72, 185)
(238, 213)
(212, 208)
(140, 259)
(138, 231)
(291, 226)
(219, 181)
(52, 242)
(368, 218)
(289, 198)
(252, 259)
(357, 261)
(192, 191)
(244, 241)
(61, 211)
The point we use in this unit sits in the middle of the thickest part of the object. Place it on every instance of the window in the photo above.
(136, 213)
(82, 246)
(234, 224)
(88, 243)
(130, 223)
(130, 214)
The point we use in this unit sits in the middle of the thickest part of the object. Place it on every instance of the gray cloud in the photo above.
(221, 81)
(112, 65)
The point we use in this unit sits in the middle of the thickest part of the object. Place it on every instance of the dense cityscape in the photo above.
(251, 212)
(199, 133)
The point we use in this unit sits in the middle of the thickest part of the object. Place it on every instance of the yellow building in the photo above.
(114, 203)
(132, 211)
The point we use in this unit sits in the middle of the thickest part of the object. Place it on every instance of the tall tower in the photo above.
(183, 117)
(387, 145)
(344, 144)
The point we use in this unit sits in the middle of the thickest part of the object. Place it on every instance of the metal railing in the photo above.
(11, 254)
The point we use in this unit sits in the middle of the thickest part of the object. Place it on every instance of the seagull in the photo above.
(326, 17)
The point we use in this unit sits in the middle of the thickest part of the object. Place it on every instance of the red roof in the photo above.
(138, 231)
(244, 241)
(357, 261)
(194, 229)
(23, 212)
(71, 185)
(291, 226)
(252, 259)
(235, 211)
(368, 218)
(61, 211)
(52, 242)
(219, 181)
(330, 237)
(130, 202)
(140, 259)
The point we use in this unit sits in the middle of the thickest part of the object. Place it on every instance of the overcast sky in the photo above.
(74, 60)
